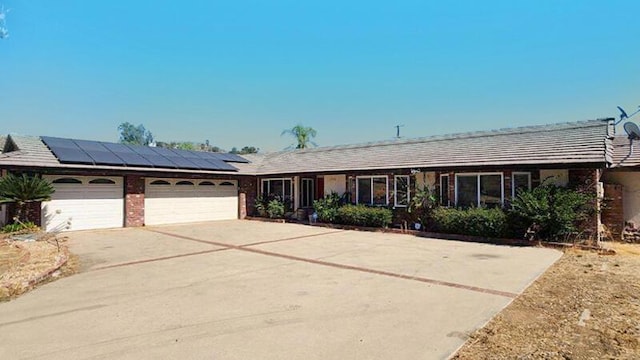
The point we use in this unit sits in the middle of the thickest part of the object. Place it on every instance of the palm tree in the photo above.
(303, 135)
(23, 190)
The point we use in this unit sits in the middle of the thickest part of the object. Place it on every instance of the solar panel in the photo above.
(67, 151)
(205, 160)
(180, 162)
(231, 157)
(219, 165)
(153, 157)
(99, 153)
(130, 157)
(103, 153)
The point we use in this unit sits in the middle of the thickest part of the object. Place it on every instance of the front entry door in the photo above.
(319, 188)
(306, 193)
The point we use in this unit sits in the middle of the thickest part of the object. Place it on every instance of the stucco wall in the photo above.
(630, 182)
(335, 183)
(559, 177)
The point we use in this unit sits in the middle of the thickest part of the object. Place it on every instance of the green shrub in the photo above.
(361, 215)
(327, 208)
(275, 209)
(551, 212)
(261, 206)
(20, 226)
(422, 205)
(484, 222)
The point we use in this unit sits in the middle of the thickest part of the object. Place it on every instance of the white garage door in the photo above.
(172, 201)
(84, 202)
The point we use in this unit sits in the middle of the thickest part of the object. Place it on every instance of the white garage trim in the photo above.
(172, 201)
(84, 202)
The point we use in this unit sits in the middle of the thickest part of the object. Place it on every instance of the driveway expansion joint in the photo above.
(338, 265)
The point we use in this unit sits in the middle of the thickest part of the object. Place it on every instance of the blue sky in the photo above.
(239, 72)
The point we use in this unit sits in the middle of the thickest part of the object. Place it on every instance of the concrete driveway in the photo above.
(253, 290)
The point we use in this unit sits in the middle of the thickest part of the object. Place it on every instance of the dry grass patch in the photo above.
(24, 265)
(586, 306)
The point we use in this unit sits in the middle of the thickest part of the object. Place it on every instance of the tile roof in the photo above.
(566, 143)
(585, 142)
(622, 154)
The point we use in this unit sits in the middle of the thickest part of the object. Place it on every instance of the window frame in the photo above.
(395, 190)
(478, 191)
(185, 183)
(67, 181)
(268, 180)
(159, 182)
(310, 192)
(371, 177)
(513, 181)
(442, 176)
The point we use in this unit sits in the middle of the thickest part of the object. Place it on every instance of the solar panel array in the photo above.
(71, 151)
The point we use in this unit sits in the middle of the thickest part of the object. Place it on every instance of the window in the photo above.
(520, 181)
(226, 183)
(102, 181)
(371, 190)
(401, 192)
(479, 189)
(444, 190)
(206, 183)
(281, 188)
(67, 181)
(159, 182)
(184, 182)
(306, 192)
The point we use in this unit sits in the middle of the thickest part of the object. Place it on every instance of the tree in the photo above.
(303, 136)
(134, 135)
(185, 145)
(245, 150)
(188, 145)
(4, 32)
(23, 190)
(248, 150)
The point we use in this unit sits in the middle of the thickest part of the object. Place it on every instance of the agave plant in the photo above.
(22, 190)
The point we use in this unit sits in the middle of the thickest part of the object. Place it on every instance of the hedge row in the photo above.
(361, 215)
(473, 221)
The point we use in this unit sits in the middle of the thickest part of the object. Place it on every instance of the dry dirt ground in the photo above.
(24, 265)
(586, 306)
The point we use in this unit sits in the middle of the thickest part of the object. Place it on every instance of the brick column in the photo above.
(247, 192)
(32, 212)
(134, 201)
(587, 180)
(613, 210)
(508, 182)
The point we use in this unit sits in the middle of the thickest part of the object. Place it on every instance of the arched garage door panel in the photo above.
(182, 201)
(84, 202)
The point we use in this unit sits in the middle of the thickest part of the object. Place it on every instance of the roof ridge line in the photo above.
(463, 135)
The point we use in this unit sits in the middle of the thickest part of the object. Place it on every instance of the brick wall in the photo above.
(613, 210)
(587, 180)
(134, 201)
(248, 190)
(32, 212)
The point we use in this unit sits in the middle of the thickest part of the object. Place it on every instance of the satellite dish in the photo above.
(623, 114)
(632, 130)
